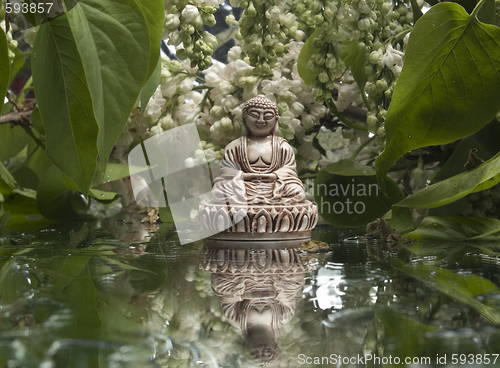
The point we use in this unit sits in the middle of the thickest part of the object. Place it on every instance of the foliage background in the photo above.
(364, 89)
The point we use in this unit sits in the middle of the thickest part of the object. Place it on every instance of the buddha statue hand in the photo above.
(266, 178)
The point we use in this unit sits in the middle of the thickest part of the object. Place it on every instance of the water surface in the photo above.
(118, 293)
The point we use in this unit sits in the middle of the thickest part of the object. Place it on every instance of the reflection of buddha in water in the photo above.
(257, 290)
(262, 164)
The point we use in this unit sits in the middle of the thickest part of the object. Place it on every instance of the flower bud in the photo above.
(172, 21)
(189, 13)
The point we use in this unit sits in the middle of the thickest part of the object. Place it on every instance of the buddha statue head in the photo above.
(260, 117)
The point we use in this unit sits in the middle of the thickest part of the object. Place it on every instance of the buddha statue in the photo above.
(258, 190)
(258, 288)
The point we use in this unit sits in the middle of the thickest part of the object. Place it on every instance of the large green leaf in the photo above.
(480, 178)
(127, 35)
(89, 67)
(4, 67)
(457, 229)
(462, 287)
(347, 194)
(449, 84)
(64, 97)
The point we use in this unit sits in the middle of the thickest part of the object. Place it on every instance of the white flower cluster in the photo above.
(183, 27)
(265, 27)
(234, 83)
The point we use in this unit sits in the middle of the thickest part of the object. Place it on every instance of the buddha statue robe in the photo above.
(229, 186)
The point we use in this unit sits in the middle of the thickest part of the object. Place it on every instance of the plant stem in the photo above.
(350, 124)
(363, 145)
(365, 99)
(477, 8)
(27, 86)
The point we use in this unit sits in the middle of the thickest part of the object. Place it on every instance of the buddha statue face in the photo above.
(260, 117)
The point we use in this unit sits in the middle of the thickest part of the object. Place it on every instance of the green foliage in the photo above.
(461, 287)
(405, 337)
(308, 75)
(457, 229)
(341, 186)
(56, 201)
(449, 84)
(480, 178)
(4, 67)
(356, 60)
(485, 141)
(12, 141)
(89, 68)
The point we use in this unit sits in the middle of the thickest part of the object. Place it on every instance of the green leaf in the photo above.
(347, 194)
(4, 67)
(487, 12)
(89, 68)
(116, 172)
(64, 97)
(480, 178)
(449, 84)
(12, 141)
(417, 13)
(7, 181)
(356, 60)
(56, 201)
(457, 229)
(405, 337)
(166, 215)
(458, 286)
(102, 196)
(307, 51)
(127, 36)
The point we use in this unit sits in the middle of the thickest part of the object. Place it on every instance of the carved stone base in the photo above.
(257, 222)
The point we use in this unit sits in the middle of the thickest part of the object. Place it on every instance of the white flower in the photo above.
(157, 129)
(407, 37)
(225, 88)
(190, 13)
(167, 122)
(297, 108)
(209, 38)
(155, 104)
(187, 84)
(30, 36)
(169, 89)
(172, 21)
(234, 53)
(392, 57)
(288, 119)
(348, 94)
(230, 102)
